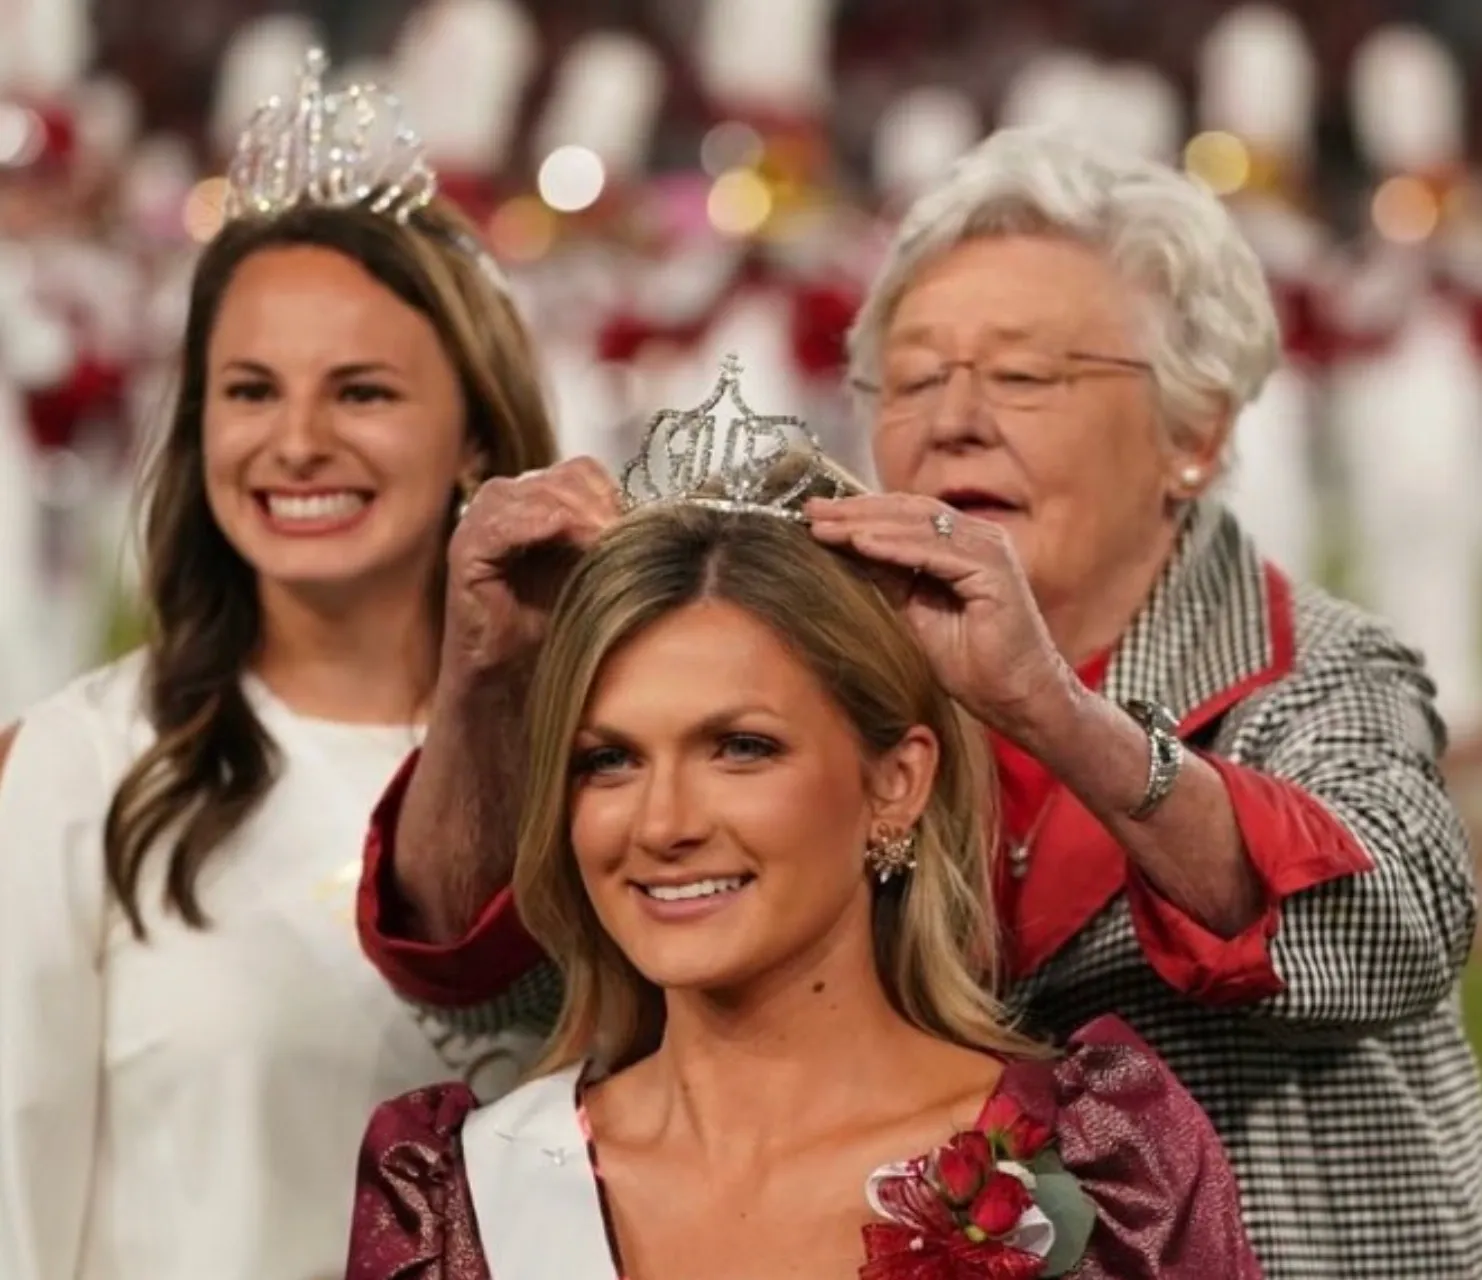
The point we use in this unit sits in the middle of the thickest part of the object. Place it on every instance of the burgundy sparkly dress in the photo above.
(451, 1191)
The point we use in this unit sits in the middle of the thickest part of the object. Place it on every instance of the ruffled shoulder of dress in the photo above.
(1167, 1204)
(413, 1214)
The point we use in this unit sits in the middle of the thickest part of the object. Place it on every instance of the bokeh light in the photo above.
(1405, 210)
(571, 179)
(739, 204)
(521, 230)
(22, 136)
(730, 145)
(1219, 160)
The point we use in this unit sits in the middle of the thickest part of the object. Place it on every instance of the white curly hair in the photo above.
(1212, 335)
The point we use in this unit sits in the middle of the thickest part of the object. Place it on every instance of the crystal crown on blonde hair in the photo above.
(764, 463)
(341, 148)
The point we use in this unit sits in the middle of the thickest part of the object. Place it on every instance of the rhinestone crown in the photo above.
(764, 463)
(340, 148)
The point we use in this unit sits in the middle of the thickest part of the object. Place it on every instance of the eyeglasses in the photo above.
(913, 388)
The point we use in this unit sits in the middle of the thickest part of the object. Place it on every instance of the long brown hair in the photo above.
(212, 760)
(935, 953)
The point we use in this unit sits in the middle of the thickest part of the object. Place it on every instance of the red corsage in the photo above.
(994, 1203)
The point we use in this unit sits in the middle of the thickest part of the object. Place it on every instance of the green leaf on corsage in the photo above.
(1061, 1200)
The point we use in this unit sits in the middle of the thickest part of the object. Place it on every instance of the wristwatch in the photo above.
(1165, 751)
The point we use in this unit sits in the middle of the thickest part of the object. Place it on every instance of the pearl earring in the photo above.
(1192, 476)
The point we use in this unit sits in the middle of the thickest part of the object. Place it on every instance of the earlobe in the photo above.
(475, 468)
(468, 486)
(1197, 458)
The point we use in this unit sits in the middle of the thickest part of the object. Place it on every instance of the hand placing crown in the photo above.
(518, 536)
(762, 463)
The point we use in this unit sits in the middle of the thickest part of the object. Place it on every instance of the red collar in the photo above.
(1077, 867)
(1025, 785)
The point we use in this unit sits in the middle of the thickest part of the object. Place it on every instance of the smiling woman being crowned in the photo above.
(755, 847)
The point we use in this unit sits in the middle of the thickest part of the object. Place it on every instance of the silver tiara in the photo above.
(687, 456)
(343, 148)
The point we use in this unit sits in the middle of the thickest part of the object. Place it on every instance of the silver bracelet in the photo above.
(1165, 752)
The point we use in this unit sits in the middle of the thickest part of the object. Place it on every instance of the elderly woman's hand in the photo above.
(968, 602)
(509, 555)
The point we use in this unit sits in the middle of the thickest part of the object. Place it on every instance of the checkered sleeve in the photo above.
(1355, 728)
(532, 1003)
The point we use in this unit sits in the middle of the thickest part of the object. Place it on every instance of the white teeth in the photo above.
(314, 506)
(698, 889)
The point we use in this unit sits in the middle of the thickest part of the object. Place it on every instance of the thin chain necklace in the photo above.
(1020, 851)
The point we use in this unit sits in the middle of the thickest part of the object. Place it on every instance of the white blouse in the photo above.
(190, 1108)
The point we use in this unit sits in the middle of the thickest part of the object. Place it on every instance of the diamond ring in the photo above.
(943, 523)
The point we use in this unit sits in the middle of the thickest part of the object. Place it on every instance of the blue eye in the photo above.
(366, 393)
(748, 747)
(600, 761)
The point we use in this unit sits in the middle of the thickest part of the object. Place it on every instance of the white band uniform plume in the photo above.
(688, 457)
(341, 149)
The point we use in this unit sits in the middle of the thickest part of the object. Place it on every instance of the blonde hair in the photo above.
(934, 944)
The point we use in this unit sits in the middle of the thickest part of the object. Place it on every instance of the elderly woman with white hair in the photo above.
(1220, 811)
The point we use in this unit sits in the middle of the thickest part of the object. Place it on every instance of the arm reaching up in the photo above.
(435, 913)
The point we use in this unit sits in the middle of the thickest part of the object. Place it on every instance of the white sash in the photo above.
(533, 1187)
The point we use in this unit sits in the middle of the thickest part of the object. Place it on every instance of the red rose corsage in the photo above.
(994, 1203)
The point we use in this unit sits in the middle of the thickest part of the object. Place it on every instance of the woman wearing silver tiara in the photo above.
(753, 846)
(190, 1040)
(1222, 816)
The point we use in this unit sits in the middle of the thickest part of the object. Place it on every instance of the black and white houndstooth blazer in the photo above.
(1350, 1102)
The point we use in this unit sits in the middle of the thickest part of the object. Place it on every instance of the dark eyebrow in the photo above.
(364, 369)
(341, 372)
(708, 727)
(247, 366)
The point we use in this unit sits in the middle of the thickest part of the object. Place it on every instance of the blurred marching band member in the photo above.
(70, 298)
(597, 126)
(767, 264)
(766, 66)
(489, 51)
(35, 352)
(920, 135)
(189, 1038)
(24, 676)
(1258, 83)
(1406, 394)
(1221, 816)
(1126, 105)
